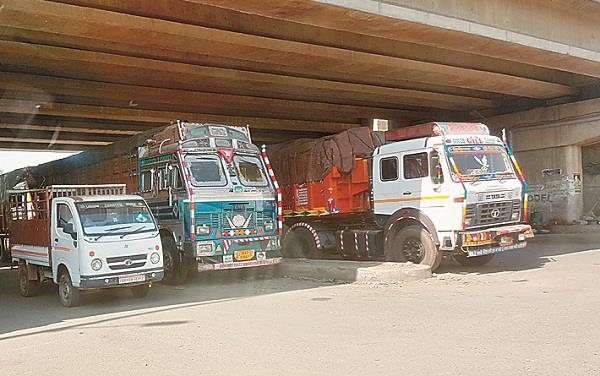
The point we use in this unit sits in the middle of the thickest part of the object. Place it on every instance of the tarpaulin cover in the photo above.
(309, 160)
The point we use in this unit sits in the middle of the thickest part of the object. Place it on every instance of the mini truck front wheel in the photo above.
(414, 244)
(67, 293)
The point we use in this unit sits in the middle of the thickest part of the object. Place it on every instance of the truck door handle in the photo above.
(407, 193)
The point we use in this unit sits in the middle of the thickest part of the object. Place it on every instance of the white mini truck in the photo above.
(83, 237)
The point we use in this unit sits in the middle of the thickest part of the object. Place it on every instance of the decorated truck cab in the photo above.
(213, 196)
(411, 194)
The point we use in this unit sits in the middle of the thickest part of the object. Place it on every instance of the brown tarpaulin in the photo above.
(308, 160)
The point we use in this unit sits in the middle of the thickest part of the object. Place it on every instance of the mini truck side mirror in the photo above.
(69, 229)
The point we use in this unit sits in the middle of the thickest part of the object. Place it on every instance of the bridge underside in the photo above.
(78, 74)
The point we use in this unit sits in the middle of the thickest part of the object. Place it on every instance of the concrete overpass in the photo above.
(76, 74)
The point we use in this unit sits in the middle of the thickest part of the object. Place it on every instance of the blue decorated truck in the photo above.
(213, 196)
(211, 190)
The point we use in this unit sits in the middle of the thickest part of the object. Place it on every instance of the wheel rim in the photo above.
(65, 290)
(413, 250)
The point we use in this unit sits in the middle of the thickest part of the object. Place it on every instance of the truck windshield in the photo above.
(250, 171)
(115, 217)
(206, 171)
(481, 162)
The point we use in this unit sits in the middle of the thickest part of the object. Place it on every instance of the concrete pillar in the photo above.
(548, 144)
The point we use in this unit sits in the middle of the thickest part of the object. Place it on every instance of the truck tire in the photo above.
(176, 270)
(140, 291)
(27, 287)
(462, 259)
(67, 293)
(301, 243)
(414, 244)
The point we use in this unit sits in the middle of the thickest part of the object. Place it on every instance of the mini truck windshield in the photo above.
(115, 217)
(481, 161)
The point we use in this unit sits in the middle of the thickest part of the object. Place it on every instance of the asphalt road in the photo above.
(530, 312)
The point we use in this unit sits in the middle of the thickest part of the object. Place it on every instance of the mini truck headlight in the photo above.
(203, 230)
(205, 249)
(514, 216)
(155, 258)
(96, 264)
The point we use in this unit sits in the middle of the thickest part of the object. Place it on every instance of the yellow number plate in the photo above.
(244, 255)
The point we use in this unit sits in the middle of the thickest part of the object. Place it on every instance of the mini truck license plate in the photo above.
(131, 278)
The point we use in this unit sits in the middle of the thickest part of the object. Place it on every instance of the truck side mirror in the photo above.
(437, 174)
(69, 229)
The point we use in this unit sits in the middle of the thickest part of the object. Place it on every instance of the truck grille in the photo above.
(490, 213)
(210, 219)
(126, 262)
(231, 214)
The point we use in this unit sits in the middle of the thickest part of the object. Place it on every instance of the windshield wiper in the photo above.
(133, 232)
(107, 232)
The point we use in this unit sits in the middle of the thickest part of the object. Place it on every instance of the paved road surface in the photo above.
(531, 312)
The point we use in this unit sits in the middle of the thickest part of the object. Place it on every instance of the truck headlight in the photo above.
(514, 216)
(155, 258)
(269, 226)
(468, 221)
(203, 230)
(204, 249)
(96, 264)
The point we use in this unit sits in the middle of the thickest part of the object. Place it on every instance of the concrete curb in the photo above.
(353, 271)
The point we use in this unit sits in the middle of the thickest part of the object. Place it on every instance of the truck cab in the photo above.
(84, 241)
(463, 184)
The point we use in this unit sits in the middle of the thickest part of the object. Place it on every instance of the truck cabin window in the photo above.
(415, 166)
(115, 217)
(250, 171)
(475, 162)
(176, 178)
(64, 215)
(146, 181)
(206, 171)
(389, 169)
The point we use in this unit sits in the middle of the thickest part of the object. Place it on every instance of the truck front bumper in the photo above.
(230, 264)
(495, 240)
(125, 279)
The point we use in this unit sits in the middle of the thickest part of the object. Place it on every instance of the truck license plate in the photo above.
(487, 251)
(131, 278)
(244, 255)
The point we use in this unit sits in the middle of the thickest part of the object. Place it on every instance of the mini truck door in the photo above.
(65, 239)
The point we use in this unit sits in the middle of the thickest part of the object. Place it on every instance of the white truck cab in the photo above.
(460, 183)
(84, 237)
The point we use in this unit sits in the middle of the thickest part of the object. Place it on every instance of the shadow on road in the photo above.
(18, 313)
(539, 252)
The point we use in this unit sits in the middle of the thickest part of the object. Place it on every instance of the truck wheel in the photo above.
(462, 259)
(140, 291)
(176, 270)
(27, 287)
(301, 243)
(414, 244)
(67, 293)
